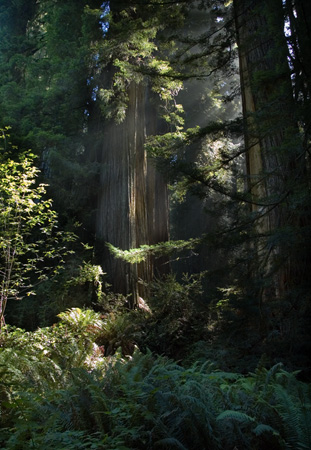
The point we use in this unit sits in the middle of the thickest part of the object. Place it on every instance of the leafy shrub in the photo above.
(31, 247)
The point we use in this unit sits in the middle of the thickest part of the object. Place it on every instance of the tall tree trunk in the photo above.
(271, 133)
(132, 206)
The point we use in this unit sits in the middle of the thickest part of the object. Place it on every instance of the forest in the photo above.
(155, 224)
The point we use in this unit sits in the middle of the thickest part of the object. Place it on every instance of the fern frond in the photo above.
(236, 416)
(262, 429)
(86, 321)
(272, 372)
(296, 416)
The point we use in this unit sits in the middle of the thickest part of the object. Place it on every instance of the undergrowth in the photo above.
(59, 391)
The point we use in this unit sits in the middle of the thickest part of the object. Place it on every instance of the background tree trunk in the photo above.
(276, 109)
(276, 169)
(268, 110)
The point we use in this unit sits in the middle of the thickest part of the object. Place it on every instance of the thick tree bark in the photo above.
(133, 205)
(133, 201)
(268, 109)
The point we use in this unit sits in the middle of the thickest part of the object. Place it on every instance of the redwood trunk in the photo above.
(268, 109)
(132, 206)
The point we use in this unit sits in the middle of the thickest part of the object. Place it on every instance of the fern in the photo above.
(235, 416)
(52, 397)
(86, 322)
(296, 415)
(262, 429)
